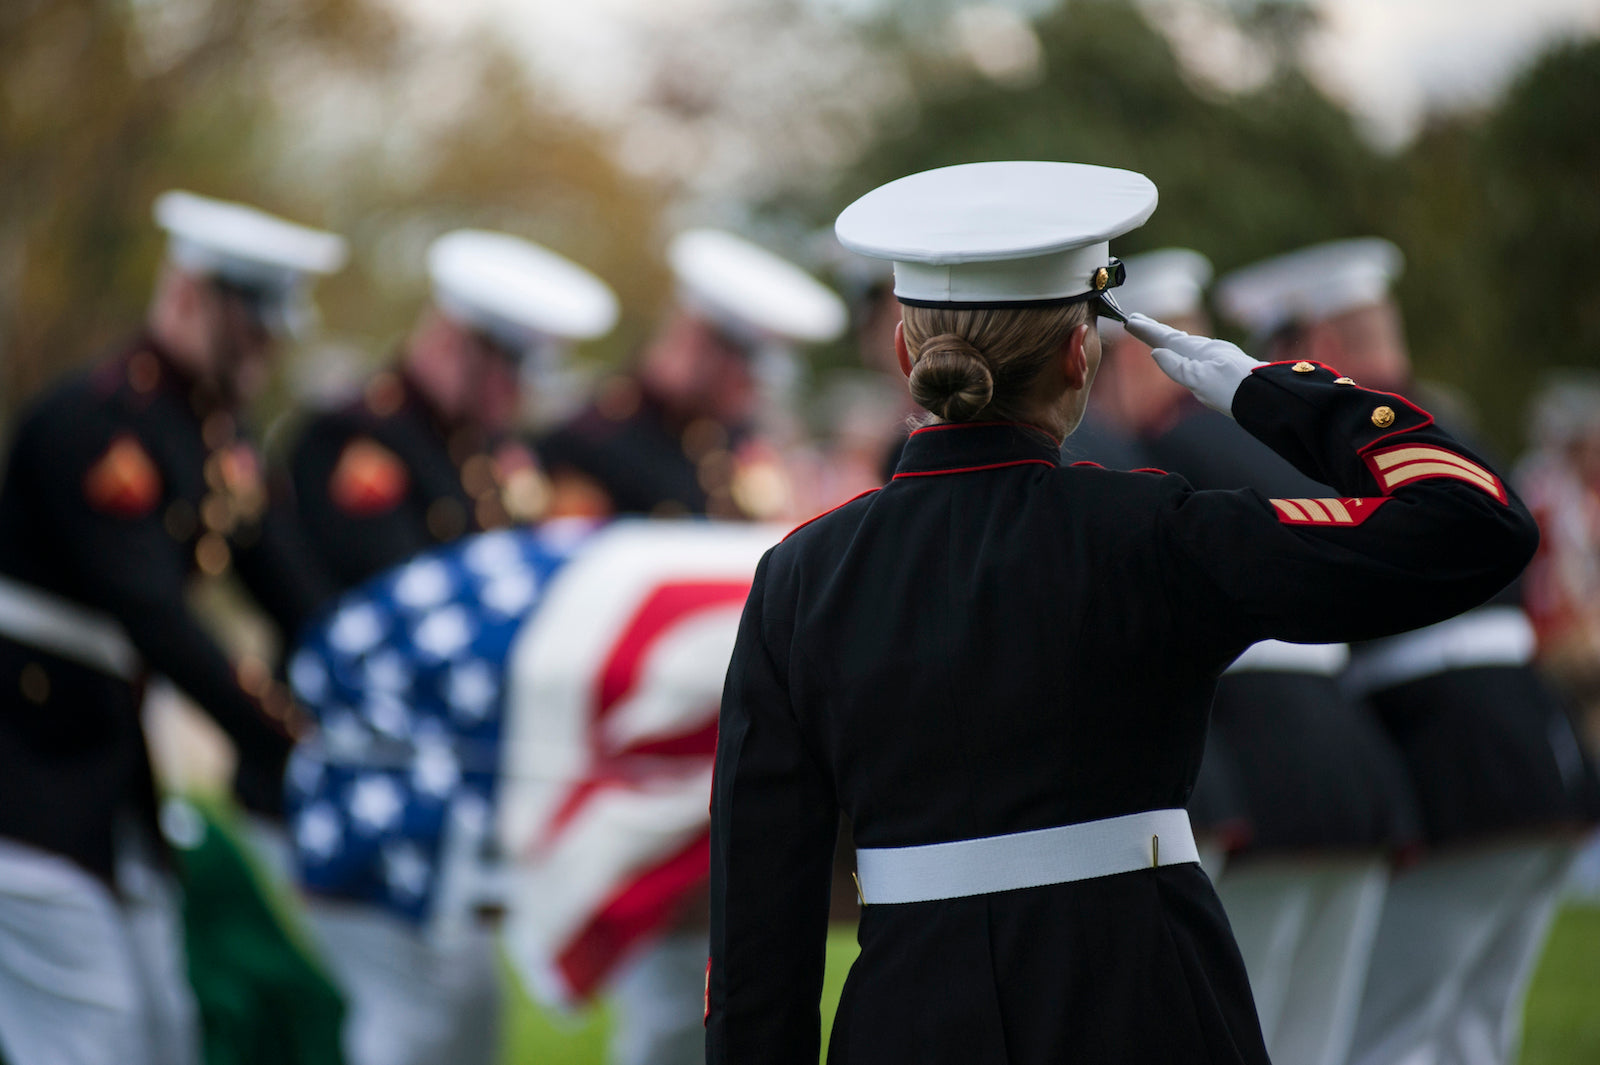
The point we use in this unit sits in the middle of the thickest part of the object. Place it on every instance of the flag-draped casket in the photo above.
(524, 720)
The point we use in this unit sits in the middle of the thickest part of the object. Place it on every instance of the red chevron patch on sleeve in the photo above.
(369, 479)
(1341, 512)
(1397, 466)
(124, 481)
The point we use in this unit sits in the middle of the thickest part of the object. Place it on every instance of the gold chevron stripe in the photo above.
(1320, 511)
(1416, 471)
(1313, 508)
(1401, 455)
(1337, 509)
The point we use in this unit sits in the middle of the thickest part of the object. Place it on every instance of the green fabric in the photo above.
(263, 1000)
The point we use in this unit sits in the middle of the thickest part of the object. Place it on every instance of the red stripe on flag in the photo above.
(574, 801)
(641, 906)
(702, 742)
(665, 607)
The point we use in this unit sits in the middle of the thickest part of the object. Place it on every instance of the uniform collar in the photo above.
(148, 369)
(971, 446)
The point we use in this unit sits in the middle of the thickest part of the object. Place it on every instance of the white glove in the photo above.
(1211, 369)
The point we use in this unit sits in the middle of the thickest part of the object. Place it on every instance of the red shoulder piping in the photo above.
(830, 510)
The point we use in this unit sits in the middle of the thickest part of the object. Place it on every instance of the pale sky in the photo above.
(1391, 60)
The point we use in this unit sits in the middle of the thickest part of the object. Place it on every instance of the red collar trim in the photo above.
(983, 425)
(830, 510)
(975, 469)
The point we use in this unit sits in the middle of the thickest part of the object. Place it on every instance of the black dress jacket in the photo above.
(995, 643)
(121, 484)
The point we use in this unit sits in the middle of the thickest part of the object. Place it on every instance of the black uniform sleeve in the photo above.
(131, 568)
(279, 568)
(773, 823)
(1426, 531)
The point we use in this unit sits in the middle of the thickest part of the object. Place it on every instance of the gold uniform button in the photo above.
(1343, 381)
(1383, 417)
(212, 555)
(1304, 367)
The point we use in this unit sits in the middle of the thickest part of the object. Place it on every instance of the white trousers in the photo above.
(411, 999)
(1457, 945)
(1305, 926)
(88, 977)
(658, 1003)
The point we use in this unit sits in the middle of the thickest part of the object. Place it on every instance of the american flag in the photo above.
(525, 719)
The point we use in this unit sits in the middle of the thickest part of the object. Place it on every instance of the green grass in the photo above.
(1562, 1026)
(537, 1037)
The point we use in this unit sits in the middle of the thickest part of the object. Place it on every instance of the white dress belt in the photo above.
(1488, 636)
(39, 619)
(1276, 656)
(1025, 859)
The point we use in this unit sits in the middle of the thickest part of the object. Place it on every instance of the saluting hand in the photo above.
(1211, 369)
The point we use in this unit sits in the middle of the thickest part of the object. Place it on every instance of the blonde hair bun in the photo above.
(951, 378)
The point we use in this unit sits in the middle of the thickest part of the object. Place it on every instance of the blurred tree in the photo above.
(1281, 26)
(102, 104)
(329, 111)
(1542, 162)
(1500, 223)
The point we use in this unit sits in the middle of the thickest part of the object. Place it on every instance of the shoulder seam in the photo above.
(830, 510)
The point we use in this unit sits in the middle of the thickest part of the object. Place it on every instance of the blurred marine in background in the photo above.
(696, 427)
(425, 455)
(123, 483)
(1500, 779)
(428, 451)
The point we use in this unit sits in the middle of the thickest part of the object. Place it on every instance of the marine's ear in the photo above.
(1075, 357)
(902, 354)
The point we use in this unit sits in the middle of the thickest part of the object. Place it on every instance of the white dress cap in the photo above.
(1165, 284)
(517, 291)
(1310, 284)
(750, 291)
(243, 244)
(987, 234)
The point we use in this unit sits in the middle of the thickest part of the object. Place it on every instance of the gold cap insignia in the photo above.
(1102, 278)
